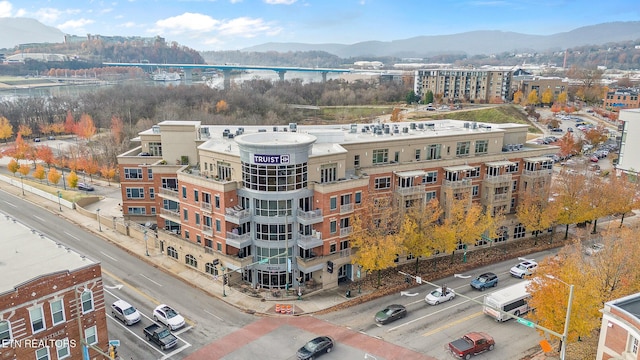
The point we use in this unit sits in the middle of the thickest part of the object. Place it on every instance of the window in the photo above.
(382, 183)
(430, 195)
(515, 185)
(186, 234)
(184, 192)
(332, 248)
(380, 156)
(91, 336)
(474, 173)
(37, 319)
(274, 177)
(196, 196)
(42, 354)
(149, 173)
(170, 184)
(87, 301)
(5, 331)
(333, 203)
(198, 239)
(197, 219)
(135, 193)
(433, 152)
(462, 148)
(217, 201)
(218, 225)
(328, 173)
(136, 210)
(513, 168)
(633, 345)
(493, 170)
(224, 170)
(519, 232)
(132, 173)
(218, 246)
(211, 269)
(191, 260)
(356, 161)
(430, 178)
(155, 149)
(57, 312)
(334, 226)
(358, 198)
(417, 157)
(475, 190)
(62, 348)
(482, 146)
(152, 193)
(396, 157)
(208, 243)
(172, 252)
(185, 214)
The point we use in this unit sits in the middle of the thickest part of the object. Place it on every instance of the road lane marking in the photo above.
(151, 280)
(215, 316)
(10, 204)
(148, 297)
(73, 237)
(39, 218)
(110, 257)
(429, 333)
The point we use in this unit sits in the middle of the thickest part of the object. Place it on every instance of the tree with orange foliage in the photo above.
(6, 130)
(568, 145)
(91, 167)
(117, 129)
(108, 172)
(45, 154)
(596, 136)
(53, 176)
(396, 115)
(85, 128)
(569, 109)
(221, 106)
(39, 173)
(57, 128)
(25, 130)
(624, 195)
(13, 166)
(24, 169)
(20, 148)
(70, 123)
(555, 108)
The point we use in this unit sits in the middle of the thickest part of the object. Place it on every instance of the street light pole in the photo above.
(98, 216)
(563, 348)
(223, 279)
(146, 248)
(59, 196)
(22, 183)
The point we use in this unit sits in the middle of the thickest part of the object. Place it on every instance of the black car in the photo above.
(390, 313)
(315, 348)
(484, 281)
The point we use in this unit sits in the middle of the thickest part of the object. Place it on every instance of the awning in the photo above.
(538, 159)
(458, 168)
(500, 163)
(413, 173)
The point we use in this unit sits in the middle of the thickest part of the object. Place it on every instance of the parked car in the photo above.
(594, 249)
(525, 268)
(125, 312)
(85, 187)
(472, 343)
(315, 347)
(36, 140)
(594, 158)
(439, 296)
(484, 281)
(390, 313)
(570, 129)
(168, 316)
(51, 137)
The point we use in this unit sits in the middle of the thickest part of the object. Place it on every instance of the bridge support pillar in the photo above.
(324, 76)
(281, 74)
(188, 76)
(226, 82)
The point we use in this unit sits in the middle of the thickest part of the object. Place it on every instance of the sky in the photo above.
(206, 25)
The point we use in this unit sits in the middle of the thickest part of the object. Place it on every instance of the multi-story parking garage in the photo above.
(274, 204)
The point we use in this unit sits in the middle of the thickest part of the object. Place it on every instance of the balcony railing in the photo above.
(174, 215)
(457, 184)
(538, 173)
(309, 241)
(207, 230)
(169, 192)
(238, 241)
(500, 197)
(205, 206)
(411, 190)
(309, 217)
(499, 179)
(237, 216)
(347, 208)
(346, 231)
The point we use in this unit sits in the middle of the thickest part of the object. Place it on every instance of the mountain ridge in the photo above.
(16, 31)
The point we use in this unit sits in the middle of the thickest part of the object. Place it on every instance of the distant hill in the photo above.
(470, 43)
(16, 31)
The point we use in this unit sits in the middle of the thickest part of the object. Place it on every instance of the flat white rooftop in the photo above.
(27, 255)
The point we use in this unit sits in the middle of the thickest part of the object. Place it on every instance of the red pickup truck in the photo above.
(472, 343)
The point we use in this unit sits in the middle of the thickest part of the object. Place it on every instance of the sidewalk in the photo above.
(110, 207)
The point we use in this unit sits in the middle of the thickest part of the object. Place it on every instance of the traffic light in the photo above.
(330, 267)
(225, 279)
(113, 351)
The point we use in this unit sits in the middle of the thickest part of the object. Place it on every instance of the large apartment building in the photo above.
(465, 85)
(274, 204)
(620, 329)
(51, 297)
(619, 99)
(629, 129)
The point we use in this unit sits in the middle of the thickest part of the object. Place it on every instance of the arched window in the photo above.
(209, 268)
(191, 260)
(5, 331)
(172, 252)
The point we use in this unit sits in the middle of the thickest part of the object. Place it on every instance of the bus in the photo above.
(512, 300)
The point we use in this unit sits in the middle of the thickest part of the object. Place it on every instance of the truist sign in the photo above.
(270, 159)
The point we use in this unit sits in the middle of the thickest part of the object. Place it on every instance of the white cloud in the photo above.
(129, 24)
(47, 15)
(246, 27)
(187, 22)
(75, 24)
(5, 9)
(280, 2)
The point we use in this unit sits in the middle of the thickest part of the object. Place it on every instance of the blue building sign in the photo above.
(270, 159)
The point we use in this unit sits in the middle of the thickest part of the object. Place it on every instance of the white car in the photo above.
(125, 312)
(439, 296)
(525, 268)
(594, 249)
(168, 316)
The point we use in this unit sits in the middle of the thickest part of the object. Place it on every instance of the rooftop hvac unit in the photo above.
(293, 127)
(421, 126)
(466, 125)
(430, 126)
(353, 129)
(275, 129)
(405, 130)
(262, 130)
(412, 126)
(155, 129)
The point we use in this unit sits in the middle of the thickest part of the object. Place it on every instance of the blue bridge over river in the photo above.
(228, 68)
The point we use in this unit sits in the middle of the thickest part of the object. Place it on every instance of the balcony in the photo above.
(313, 263)
(459, 184)
(347, 208)
(309, 217)
(504, 180)
(207, 230)
(169, 193)
(238, 241)
(237, 215)
(346, 231)
(205, 206)
(172, 215)
(538, 173)
(411, 190)
(310, 241)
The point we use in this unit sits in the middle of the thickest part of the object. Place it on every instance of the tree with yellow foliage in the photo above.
(547, 96)
(532, 98)
(108, 172)
(623, 193)
(72, 179)
(6, 130)
(572, 200)
(417, 229)
(221, 106)
(13, 166)
(463, 224)
(25, 130)
(375, 236)
(39, 172)
(24, 169)
(562, 98)
(517, 97)
(53, 176)
(536, 212)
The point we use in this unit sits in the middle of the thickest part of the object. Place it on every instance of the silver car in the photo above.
(125, 312)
